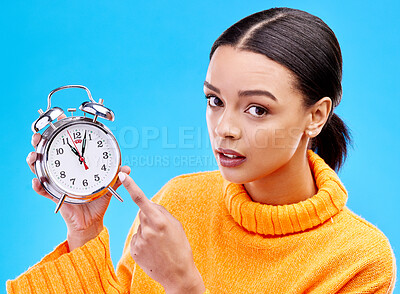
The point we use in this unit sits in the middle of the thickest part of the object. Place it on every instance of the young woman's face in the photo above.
(255, 110)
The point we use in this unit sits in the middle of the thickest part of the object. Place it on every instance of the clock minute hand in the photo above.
(84, 144)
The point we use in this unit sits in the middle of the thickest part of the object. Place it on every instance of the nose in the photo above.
(228, 126)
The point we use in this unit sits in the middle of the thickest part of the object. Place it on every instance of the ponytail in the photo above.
(331, 143)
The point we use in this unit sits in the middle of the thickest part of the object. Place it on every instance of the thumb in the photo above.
(136, 193)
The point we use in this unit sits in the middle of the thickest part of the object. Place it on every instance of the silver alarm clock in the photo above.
(78, 157)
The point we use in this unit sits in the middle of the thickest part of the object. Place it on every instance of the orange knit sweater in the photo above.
(239, 246)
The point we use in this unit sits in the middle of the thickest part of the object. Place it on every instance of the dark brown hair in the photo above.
(305, 45)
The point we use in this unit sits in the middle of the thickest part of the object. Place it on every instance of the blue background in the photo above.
(148, 60)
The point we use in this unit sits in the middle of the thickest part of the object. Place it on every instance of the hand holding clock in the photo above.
(84, 221)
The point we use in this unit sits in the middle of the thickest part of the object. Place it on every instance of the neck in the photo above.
(292, 183)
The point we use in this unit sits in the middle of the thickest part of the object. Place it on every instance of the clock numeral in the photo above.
(65, 141)
(105, 155)
(57, 163)
(96, 178)
(99, 144)
(59, 151)
(62, 174)
(73, 181)
(90, 137)
(85, 182)
(103, 167)
(77, 135)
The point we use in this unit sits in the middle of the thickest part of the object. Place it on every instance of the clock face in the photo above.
(82, 159)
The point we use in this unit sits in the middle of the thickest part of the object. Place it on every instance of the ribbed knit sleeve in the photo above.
(87, 269)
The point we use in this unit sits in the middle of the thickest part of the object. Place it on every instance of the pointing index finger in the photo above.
(136, 193)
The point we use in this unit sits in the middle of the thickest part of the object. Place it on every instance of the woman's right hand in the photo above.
(84, 221)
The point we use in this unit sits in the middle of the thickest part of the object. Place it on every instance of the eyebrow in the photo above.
(211, 87)
(244, 93)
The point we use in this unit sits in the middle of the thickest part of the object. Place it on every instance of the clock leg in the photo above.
(115, 194)
(60, 202)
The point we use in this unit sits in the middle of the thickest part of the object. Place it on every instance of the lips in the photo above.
(230, 158)
(229, 152)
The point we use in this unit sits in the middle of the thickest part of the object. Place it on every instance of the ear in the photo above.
(319, 114)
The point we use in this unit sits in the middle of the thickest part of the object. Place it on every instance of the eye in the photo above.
(257, 111)
(214, 101)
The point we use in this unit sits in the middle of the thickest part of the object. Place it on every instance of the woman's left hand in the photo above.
(160, 246)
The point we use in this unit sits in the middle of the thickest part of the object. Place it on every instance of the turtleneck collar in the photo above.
(291, 218)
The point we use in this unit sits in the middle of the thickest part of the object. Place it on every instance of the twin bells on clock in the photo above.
(78, 158)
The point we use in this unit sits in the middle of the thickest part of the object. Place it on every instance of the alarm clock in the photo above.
(78, 157)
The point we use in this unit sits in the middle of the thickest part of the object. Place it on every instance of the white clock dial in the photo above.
(82, 159)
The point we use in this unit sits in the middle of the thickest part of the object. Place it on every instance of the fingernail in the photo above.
(121, 176)
(33, 139)
(31, 157)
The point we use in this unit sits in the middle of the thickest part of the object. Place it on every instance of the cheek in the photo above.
(269, 149)
(261, 137)
(210, 125)
(273, 137)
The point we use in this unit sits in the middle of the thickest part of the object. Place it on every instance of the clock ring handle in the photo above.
(67, 87)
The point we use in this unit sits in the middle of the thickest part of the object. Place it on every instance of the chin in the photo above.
(234, 175)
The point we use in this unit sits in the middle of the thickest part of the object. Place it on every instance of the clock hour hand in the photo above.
(84, 144)
(73, 149)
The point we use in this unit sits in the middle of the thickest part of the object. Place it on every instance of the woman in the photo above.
(273, 218)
